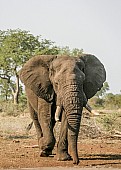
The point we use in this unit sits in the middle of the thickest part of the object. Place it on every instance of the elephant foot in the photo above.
(76, 162)
(64, 157)
(46, 146)
(45, 153)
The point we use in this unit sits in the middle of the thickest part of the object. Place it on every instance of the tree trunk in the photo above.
(15, 92)
(15, 98)
(6, 97)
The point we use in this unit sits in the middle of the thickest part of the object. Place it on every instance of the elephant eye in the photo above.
(56, 83)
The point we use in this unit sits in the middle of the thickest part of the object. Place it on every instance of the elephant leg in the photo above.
(62, 146)
(47, 142)
(34, 117)
(53, 110)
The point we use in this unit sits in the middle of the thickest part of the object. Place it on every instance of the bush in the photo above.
(97, 102)
(110, 122)
(9, 109)
(109, 101)
(113, 101)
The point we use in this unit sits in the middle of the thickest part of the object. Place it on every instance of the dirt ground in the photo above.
(18, 153)
(20, 150)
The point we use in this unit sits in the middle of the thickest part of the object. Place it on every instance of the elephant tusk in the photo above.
(88, 107)
(57, 113)
(94, 113)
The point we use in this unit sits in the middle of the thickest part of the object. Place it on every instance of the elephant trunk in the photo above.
(73, 106)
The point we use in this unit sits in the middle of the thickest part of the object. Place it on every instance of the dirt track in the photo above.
(16, 149)
(18, 153)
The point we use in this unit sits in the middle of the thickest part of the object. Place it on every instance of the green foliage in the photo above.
(113, 100)
(76, 52)
(99, 99)
(99, 102)
(47, 47)
(66, 51)
(9, 109)
(23, 99)
(16, 47)
(110, 121)
(109, 101)
(103, 90)
(5, 91)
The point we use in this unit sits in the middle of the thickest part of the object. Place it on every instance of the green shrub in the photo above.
(110, 122)
(9, 109)
(113, 101)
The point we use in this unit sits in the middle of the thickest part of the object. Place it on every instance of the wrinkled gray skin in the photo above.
(60, 82)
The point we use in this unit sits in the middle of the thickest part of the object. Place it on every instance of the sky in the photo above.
(91, 25)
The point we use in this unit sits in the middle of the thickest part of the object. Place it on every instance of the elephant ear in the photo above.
(95, 75)
(35, 76)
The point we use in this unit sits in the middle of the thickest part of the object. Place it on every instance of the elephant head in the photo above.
(71, 81)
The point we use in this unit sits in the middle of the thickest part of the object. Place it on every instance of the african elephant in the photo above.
(60, 84)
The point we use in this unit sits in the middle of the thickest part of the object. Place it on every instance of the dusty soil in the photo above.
(18, 149)
(18, 153)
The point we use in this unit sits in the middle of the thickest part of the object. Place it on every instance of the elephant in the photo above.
(60, 85)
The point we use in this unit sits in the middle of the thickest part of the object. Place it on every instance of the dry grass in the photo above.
(91, 127)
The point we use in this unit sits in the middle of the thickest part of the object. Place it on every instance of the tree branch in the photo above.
(5, 77)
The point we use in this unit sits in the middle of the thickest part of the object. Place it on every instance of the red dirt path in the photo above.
(15, 153)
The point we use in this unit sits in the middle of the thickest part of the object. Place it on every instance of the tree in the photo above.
(66, 51)
(103, 90)
(76, 52)
(113, 100)
(99, 99)
(16, 47)
(5, 91)
(47, 47)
